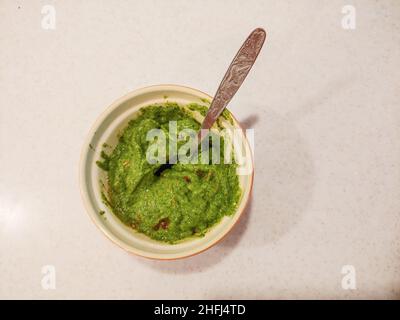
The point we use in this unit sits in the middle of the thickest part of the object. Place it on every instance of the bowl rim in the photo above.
(82, 170)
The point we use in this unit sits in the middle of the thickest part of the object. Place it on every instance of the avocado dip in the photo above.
(185, 200)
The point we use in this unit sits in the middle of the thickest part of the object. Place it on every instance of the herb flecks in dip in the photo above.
(185, 200)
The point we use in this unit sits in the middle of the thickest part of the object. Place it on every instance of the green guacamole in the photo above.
(185, 200)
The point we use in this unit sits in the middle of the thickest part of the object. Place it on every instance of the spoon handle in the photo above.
(233, 79)
(235, 75)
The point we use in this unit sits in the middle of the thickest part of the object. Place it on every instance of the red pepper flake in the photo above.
(186, 178)
(200, 173)
(163, 224)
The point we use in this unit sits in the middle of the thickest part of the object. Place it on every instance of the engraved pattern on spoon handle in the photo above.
(235, 75)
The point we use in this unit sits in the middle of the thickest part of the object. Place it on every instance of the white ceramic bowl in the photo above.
(105, 130)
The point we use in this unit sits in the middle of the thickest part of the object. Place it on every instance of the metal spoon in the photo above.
(233, 79)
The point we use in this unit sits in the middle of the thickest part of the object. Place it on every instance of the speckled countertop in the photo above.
(324, 221)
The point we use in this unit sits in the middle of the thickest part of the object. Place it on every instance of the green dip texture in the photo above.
(186, 200)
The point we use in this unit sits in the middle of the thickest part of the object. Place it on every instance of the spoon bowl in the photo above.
(92, 179)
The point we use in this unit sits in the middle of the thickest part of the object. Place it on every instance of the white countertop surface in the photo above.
(324, 103)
